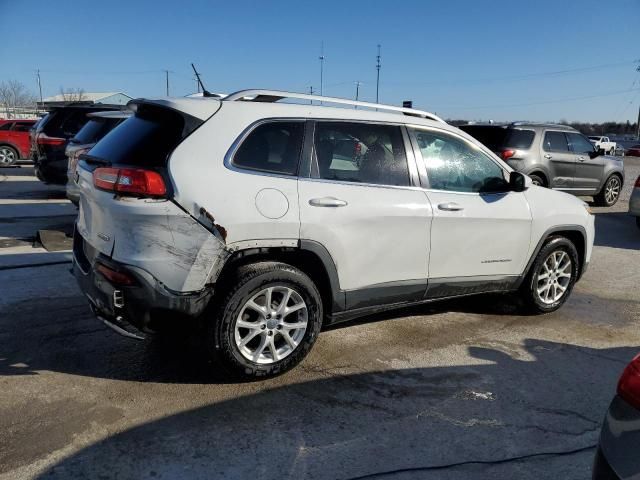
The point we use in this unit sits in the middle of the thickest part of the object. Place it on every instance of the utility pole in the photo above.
(197, 84)
(311, 93)
(321, 58)
(40, 89)
(378, 74)
(639, 123)
(166, 72)
(357, 90)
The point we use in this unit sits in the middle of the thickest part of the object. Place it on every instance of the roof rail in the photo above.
(548, 124)
(276, 95)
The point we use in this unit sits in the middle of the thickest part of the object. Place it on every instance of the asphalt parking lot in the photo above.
(464, 389)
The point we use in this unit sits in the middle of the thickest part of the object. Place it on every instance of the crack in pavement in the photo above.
(500, 461)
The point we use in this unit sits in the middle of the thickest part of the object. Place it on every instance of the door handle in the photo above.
(450, 207)
(327, 202)
(582, 159)
(548, 157)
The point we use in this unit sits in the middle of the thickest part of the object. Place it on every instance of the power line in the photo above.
(545, 102)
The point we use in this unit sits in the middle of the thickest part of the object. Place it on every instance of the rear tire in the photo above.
(8, 156)
(538, 180)
(610, 193)
(552, 276)
(266, 322)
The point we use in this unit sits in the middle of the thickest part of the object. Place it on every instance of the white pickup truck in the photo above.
(603, 143)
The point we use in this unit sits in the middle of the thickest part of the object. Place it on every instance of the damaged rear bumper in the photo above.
(134, 310)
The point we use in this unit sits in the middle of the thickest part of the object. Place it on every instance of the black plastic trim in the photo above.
(543, 239)
(460, 286)
(338, 295)
(405, 291)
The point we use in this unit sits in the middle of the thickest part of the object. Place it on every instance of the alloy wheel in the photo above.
(271, 324)
(612, 190)
(554, 277)
(7, 156)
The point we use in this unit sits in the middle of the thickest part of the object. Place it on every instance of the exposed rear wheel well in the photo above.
(304, 260)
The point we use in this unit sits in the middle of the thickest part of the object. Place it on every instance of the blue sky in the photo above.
(501, 60)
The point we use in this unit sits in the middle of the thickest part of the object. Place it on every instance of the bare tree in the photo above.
(14, 95)
(72, 94)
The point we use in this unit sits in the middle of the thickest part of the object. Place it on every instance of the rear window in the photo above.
(65, 123)
(498, 138)
(145, 139)
(95, 129)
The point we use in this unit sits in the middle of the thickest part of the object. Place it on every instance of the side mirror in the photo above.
(596, 153)
(519, 182)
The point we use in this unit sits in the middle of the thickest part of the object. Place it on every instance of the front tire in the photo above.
(8, 156)
(608, 196)
(267, 321)
(552, 276)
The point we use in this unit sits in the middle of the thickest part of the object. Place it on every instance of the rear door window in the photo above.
(555, 142)
(497, 138)
(360, 152)
(145, 139)
(272, 147)
(6, 126)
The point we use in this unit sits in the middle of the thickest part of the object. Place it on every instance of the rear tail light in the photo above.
(637, 185)
(507, 154)
(629, 384)
(114, 276)
(44, 139)
(130, 181)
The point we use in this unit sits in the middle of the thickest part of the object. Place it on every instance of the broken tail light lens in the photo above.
(507, 154)
(629, 383)
(130, 181)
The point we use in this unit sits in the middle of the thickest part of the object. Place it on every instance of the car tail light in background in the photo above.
(130, 181)
(629, 384)
(637, 185)
(44, 139)
(507, 154)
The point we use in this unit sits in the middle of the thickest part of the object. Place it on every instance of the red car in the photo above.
(14, 140)
(633, 151)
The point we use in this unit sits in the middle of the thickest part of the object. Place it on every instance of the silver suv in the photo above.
(555, 156)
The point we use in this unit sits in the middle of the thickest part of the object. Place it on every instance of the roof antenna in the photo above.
(205, 92)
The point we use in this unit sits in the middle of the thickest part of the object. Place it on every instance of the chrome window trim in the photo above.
(475, 145)
(360, 184)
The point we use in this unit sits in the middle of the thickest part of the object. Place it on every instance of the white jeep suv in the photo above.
(266, 219)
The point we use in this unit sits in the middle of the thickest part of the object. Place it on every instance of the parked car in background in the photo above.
(619, 150)
(555, 156)
(604, 144)
(634, 202)
(634, 151)
(51, 137)
(266, 208)
(617, 456)
(14, 141)
(99, 124)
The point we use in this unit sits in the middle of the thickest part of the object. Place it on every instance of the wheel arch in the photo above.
(540, 173)
(311, 257)
(574, 233)
(4, 143)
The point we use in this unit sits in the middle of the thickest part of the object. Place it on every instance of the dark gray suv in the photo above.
(555, 156)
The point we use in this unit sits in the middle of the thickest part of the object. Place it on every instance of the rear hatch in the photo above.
(507, 142)
(136, 222)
